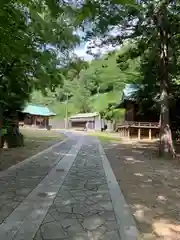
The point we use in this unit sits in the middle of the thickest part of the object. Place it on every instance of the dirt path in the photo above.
(151, 188)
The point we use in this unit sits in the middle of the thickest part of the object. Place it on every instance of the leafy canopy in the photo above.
(35, 42)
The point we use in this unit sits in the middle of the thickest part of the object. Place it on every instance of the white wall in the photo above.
(98, 123)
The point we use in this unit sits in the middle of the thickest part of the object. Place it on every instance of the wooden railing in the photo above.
(138, 124)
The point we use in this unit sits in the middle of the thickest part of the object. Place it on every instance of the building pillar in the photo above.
(46, 122)
(33, 120)
(139, 133)
(150, 134)
(128, 133)
(120, 133)
(125, 132)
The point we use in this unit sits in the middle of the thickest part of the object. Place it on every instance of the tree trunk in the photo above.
(13, 138)
(1, 124)
(166, 144)
(1, 121)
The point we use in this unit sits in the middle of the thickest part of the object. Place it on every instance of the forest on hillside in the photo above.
(93, 86)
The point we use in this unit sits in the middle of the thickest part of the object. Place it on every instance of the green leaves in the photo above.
(35, 39)
(81, 98)
(122, 2)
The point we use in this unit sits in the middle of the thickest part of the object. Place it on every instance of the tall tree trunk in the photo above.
(1, 123)
(13, 137)
(166, 144)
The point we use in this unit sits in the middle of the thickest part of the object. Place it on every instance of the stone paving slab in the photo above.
(17, 184)
(77, 198)
(27, 217)
(82, 209)
(127, 226)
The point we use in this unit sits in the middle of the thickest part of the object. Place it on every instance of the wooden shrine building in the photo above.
(133, 125)
(92, 121)
(35, 116)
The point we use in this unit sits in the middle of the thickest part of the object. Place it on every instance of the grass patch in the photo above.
(106, 137)
(41, 135)
(34, 141)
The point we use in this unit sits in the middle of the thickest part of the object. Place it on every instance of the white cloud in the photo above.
(81, 51)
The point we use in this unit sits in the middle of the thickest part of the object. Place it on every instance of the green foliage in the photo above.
(147, 47)
(103, 74)
(34, 50)
(141, 22)
(96, 103)
(93, 88)
(33, 45)
(154, 28)
(101, 101)
(81, 99)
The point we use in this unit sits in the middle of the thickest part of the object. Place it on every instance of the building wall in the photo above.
(28, 120)
(36, 120)
(93, 123)
(58, 123)
(98, 123)
(130, 112)
(78, 124)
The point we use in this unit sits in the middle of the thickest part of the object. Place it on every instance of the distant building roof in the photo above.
(38, 110)
(129, 91)
(84, 115)
(128, 94)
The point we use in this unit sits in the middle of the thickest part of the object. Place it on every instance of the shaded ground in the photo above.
(150, 187)
(35, 141)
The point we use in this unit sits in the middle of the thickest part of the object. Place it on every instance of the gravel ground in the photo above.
(150, 187)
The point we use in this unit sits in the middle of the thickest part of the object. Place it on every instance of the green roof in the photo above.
(38, 110)
(129, 91)
(128, 94)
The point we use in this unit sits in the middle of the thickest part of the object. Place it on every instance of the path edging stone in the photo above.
(26, 160)
(25, 220)
(125, 220)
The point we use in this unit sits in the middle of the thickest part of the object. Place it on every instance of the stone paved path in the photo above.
(82, 208)
(68, 193)
(15, 186)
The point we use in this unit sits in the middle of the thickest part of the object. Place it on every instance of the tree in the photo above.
(104, 75)
(74, 67)
(33, 46)
(34, 43)
(81, 98)
(101, 73)
(154, 27)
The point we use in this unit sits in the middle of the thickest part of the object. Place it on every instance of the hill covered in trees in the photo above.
(96, 86)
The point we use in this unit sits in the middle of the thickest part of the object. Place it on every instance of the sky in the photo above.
(81, 51)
